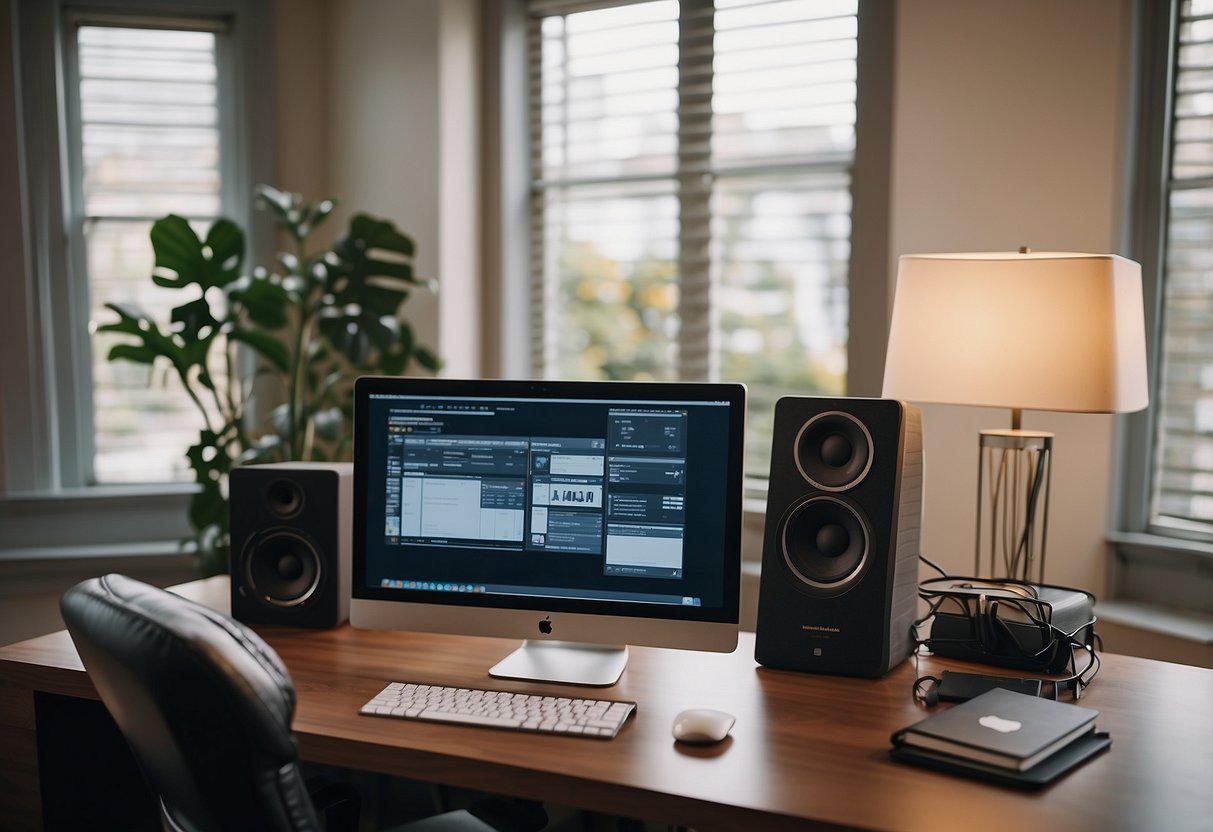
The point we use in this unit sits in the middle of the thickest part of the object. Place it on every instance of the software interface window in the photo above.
(588, 498)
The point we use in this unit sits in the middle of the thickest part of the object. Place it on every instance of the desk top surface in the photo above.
(805, 747)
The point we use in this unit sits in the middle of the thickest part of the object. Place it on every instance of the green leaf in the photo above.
(132, 311)
(265, 449)
(133, 321)
(347, 337)
(379, 233)
(427, 359)
(280, 418)
(194, 317)
(390, 268)
(213, 549)
(266, 345)
(182, 259)
(382, 301)
(178, 252)
(280, 204)
(329, 423)
(265, 302)
(319, 212)
(132, 352)
(226, 242)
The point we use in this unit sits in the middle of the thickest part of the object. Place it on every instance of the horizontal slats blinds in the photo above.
(691, 193)
(149, 145)
(1183, 463)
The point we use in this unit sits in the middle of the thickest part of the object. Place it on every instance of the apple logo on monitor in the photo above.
(545, 626)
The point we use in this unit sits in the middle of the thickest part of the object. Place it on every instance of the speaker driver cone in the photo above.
(284, 498)
(825, 542)
(833, 451)
(282, 567)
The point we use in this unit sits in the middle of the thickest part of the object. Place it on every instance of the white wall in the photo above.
(378, 105)
(1008, 131)
(301, 97)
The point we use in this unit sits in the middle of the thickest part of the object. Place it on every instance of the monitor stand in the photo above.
(567, 662)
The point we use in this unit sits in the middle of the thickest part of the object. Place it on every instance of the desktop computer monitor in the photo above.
(580, 516)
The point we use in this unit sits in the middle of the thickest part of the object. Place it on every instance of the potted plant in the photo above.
(314, 323)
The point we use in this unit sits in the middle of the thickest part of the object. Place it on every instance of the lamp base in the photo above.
(1014, 470)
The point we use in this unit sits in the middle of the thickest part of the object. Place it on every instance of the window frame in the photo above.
(509, 194)
(45, 438)
(1149, 565)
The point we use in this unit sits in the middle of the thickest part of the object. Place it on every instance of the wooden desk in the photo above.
(807, 751)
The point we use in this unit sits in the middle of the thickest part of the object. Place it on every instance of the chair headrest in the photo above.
(204, 702)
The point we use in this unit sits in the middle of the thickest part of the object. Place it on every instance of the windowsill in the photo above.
(91, 523)
(62, 496)
(1160, 598)
(1181, 624)
(90, 552)
(1161, 572)
(1155, 545)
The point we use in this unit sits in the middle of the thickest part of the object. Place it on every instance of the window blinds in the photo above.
(691, 193)
(148, 132)
(1183, 464)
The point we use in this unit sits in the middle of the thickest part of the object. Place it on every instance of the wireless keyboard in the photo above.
(599, 718)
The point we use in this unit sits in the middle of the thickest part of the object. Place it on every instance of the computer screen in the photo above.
(568, 514)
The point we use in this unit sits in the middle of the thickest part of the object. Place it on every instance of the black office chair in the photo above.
(205, 705)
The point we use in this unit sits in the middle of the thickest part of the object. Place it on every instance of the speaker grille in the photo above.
(833, 451)
(826, 542)
(281, 567)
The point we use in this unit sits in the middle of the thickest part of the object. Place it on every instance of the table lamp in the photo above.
(1026, 331)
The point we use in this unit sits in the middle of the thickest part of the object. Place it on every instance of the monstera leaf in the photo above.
(314, 324)
(182, 260)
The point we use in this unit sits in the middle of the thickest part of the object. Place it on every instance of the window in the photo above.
(147, 125)
(118, 113)
(691, 191)
(1182, 500)
(1163, 551)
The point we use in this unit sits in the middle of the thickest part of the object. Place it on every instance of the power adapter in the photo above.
(958, 687)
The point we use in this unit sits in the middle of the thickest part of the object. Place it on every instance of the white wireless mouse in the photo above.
(702, 725)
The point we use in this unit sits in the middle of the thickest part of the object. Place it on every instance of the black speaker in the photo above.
(291, 542)
(839, 581)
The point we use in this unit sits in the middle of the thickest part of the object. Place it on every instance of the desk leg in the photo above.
(89, 776)
(65, 766)
(20, 789)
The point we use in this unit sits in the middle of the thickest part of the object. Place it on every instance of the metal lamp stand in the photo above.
(1014, 470)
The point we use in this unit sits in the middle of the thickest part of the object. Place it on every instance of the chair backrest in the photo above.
(203, 701)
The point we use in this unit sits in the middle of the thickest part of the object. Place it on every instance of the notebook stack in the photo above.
(1005, 737)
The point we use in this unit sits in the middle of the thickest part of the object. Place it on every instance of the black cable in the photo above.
(1030, 513)
(932, 564)
(991, 639)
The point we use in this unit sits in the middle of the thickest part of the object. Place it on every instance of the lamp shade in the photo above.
(1037, 330)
